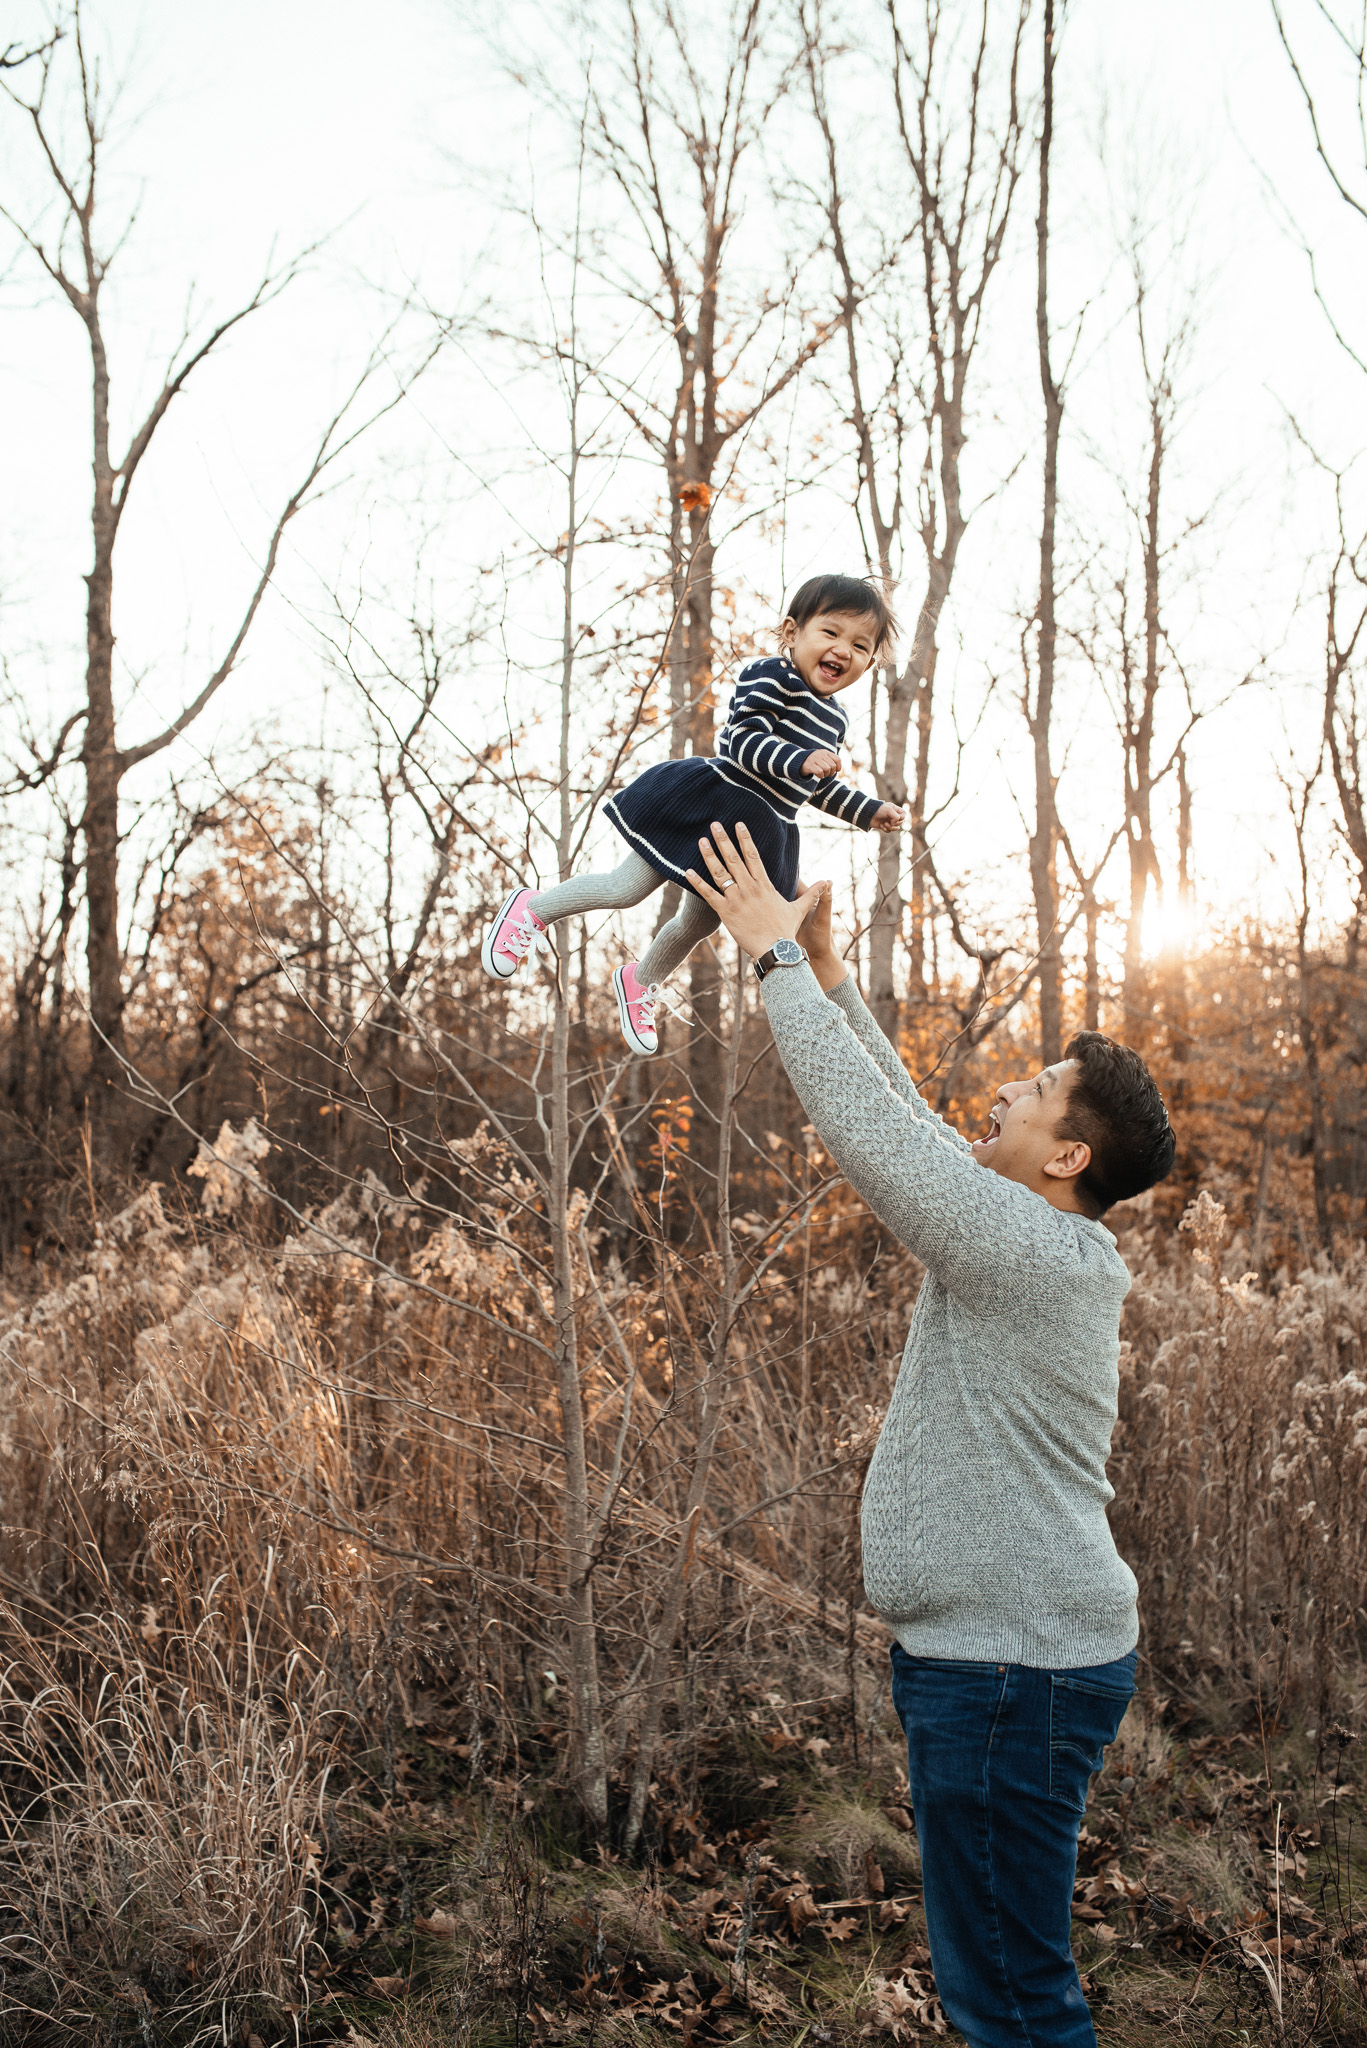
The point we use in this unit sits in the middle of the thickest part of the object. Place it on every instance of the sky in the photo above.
(248, 131)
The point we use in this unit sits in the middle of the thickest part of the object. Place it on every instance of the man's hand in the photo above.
(822, 762)
(815, 934)
(742, 895)
(887, 818)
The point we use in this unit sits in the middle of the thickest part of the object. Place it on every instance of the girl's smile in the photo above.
(832, 649)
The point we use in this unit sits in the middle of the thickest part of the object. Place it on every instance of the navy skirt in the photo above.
(666, 811)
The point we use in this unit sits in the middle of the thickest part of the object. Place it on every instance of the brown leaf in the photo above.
(842, 1929)
(441, 1923)
(796, 1901)
(388, 1987)
(899, 1817)
(892, 1913)
(873, 1874)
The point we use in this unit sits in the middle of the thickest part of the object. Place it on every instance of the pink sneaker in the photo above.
(636, 1008)
(513, 935)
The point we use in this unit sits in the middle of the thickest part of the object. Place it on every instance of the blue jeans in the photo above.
(999, 1757)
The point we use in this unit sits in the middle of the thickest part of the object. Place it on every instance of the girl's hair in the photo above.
(845, 594)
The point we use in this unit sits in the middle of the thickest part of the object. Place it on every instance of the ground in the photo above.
(1220, 1888)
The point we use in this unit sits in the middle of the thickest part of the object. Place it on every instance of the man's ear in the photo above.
(787, 632)
(1067, 1164)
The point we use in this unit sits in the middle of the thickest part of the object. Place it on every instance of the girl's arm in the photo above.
(851, 806)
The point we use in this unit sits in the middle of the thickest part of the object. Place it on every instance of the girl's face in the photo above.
(832, 650)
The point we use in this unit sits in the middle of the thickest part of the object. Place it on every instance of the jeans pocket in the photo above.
(1084, 1717)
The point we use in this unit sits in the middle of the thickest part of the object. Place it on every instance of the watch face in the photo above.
(788, 953)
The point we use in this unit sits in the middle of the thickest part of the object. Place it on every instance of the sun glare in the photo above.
(1170, 926)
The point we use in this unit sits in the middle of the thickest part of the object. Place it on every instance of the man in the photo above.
(986, 1545)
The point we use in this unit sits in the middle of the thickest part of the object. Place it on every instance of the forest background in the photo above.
(407, 442)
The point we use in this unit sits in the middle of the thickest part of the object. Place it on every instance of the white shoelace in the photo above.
(523, 939)
(645, 1005)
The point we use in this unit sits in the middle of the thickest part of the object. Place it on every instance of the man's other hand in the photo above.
(815, 934)
(822, 762)
(887, 818)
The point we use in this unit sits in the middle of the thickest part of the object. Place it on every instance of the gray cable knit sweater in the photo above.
(984, 1516)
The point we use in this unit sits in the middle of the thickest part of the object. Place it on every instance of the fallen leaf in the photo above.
(892, 1913)
(899, 1817)
(873, 1874)
(440, 1923)
(388, 1987)
(840, 1930)
(796, 1901)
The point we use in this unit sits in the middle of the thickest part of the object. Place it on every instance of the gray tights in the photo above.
(626, 885)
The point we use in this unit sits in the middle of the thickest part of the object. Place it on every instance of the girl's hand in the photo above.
(822, 762)
(742, 895)
(887, 818)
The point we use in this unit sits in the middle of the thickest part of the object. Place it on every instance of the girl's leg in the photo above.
(619, 889)
(694, 922)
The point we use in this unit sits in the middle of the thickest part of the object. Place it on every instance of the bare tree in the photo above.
(1310, 1027)
(1160, 361)
(1351, 38)
(964, 155)
(1039, 709)
(1344, 627)
(78, 262)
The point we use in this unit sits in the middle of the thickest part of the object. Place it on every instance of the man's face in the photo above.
(832, 650)
(1021, 1141)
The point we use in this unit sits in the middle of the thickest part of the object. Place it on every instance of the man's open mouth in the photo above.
(991, 1134)
(832, 670)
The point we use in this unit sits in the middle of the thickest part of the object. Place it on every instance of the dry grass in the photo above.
(284, 1536)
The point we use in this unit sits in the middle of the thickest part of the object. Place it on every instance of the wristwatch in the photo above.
(783, 953)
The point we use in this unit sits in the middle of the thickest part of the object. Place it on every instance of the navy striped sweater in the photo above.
(774, 723)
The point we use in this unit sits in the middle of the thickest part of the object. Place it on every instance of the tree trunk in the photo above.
(103, 772)
(711, 1407)
(1044, 839)
(590, 1761)
(1144, 868)
(919, 844)
(1091, 992)
(911, 690)
(705, 1062)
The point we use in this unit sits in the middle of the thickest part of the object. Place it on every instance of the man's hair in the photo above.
(845, 594)
(1115, 1107)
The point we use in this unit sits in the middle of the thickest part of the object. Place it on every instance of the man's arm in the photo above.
(978, 1233)
(989, 1240)
(851, 1004)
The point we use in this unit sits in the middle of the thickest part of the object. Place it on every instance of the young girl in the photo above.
(778, 749)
